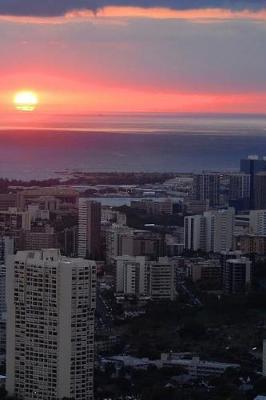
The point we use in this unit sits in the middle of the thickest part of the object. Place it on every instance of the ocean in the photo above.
(128, 142)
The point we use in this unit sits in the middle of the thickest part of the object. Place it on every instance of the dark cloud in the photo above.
(53, 8)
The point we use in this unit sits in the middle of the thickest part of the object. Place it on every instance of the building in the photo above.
(206, 186)
(239, 191)
(260, 191)
(140, 277)
(204, 270)
(237, 275)
(49, 198)
(154, 207)
(113, 236)
(2, 291)
(89, 231)
(50, 326)
(219, 230)
(162, 280)
(13, 220)
(113, 216)
(8, 200)
(251, 244)
(122, 240)
(196, 206)
(252, 166)
(210, 232)
(257, 222)
(264, 358)
(32, 240)
(197, 368)
(195, 233)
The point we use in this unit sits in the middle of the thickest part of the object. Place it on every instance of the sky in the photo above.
(86, 56)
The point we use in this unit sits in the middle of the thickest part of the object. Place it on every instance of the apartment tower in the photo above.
(50, 326)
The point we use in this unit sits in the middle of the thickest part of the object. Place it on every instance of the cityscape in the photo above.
(135, 290)
(132, 200)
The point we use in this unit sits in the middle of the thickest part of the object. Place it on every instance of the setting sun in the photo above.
(26, 100)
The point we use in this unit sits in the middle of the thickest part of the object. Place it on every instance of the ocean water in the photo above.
(139, 142)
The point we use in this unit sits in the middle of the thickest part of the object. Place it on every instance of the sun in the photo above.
(26, 100)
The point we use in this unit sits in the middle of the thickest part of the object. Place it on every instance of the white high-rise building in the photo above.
(211, 232)
(137, 276)
(89, 233)
(219, 230)
(257, 222)
(195, 232)
(50, 326)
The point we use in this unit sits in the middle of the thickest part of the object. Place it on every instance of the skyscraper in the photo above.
(89, 234)
(50, 326)
(239, 190)
(252, 165)
(206, 186)
(260, 191)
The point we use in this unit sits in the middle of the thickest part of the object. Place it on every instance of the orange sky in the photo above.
(135, 59)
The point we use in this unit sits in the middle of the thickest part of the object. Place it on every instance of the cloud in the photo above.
(56, 8)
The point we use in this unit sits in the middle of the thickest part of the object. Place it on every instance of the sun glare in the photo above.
(26, 101)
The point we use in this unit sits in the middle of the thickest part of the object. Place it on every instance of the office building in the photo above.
(239, 191)
(50, 326)
(237, 275)
(206, 186)
(260, 191)
(252, 166)
(89, 230)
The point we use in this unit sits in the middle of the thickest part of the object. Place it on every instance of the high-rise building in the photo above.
(239, 190)
(6, 249)
(210, 232)
(138, 276)
(206, 186)
(252, 165)
(2, 291)
(122, 240)
(237, 275)
(260, 191)
(219, 230)
(195, 233)
(32, 240)
(264, 358)
(89, 234)
(50, 326)
(257, 222)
